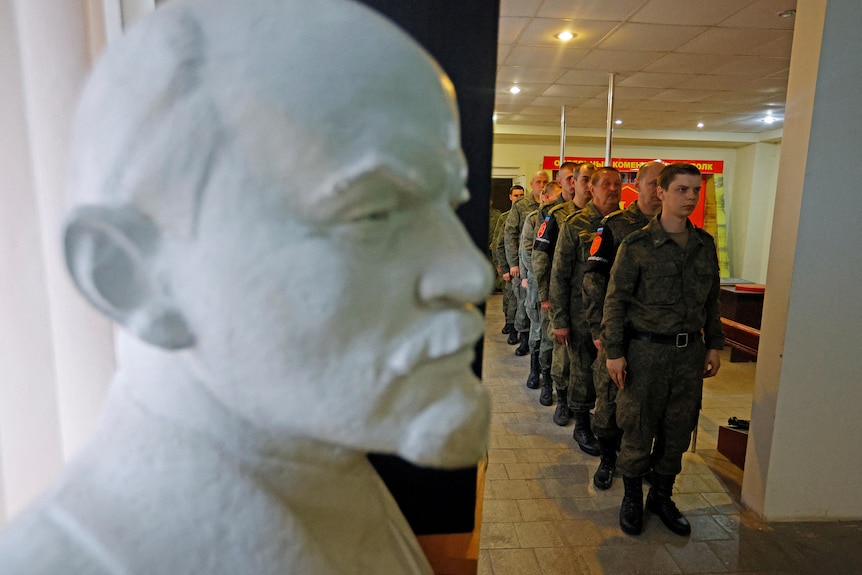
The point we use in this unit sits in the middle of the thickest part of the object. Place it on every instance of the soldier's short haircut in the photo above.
(516, 187)
(671, 171)
(598, 173)
(551, 187)
(574, 166)
(648, 165)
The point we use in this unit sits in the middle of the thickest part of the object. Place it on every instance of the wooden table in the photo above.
(742, 307)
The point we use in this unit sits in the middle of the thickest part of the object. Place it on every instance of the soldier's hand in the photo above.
(712, 363)
(507, 277)
(524, 283)
(561, 334)
(617, 371)
(598, 344)
(515, 271)
(546, 305)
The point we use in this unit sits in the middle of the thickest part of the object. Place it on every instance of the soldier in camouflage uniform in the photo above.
(567, 306)
(528, 235)
(575, 181)
(512, 235)
(611, 231)
(498, 254)
(661, 331)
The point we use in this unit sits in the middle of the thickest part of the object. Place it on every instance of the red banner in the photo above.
(632, 164)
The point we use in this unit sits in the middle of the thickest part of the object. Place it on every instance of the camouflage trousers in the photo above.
(605, 414)
(661, 398)
(522, 321)
(509, 303)
(546, 346)
(559, 359)
(582, 354)
(534, 311)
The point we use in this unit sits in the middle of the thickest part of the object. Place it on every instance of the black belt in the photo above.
(678, 339)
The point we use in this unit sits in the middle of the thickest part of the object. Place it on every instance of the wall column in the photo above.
(805, 415)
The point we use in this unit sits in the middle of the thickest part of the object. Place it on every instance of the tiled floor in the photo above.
(542, 514)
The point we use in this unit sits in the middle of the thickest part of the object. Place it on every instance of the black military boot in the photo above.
(508, 328)
(632, 507)
(583, 434)
(533, 378)
(659, 502)
(604, 475)
(524, 348)
(562, 413)
(547, 395)
(513, 337)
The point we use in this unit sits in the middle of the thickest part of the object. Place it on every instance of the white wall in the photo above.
(749, 211)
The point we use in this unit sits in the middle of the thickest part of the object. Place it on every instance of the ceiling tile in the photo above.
(709, 82)
(524, 74)
(541, 32)
(681, 95)
(544, 57)
(519, 7)
(651, 80)
(649, 37)
(671, 70)
(617, 61)
(633, 93)
(589, 9)
(687, 63)
(763, 14)
(528, 90)
(688, 12)
(588, 77)
(573, 91)
(736, 97)
(778, 48)
(510, 29)
(732, 41)
(549, 110)
(751, 66)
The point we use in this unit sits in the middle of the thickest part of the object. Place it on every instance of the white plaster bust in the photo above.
(263, 197)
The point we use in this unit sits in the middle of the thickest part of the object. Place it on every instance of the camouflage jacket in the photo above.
(498, 248)
(494, 216)
(525, 251)
(553, 217)
(514, 223)
(610, 233)
(567, 270)
(658, 287)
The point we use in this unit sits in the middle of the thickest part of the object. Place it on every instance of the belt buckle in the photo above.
(684, 338)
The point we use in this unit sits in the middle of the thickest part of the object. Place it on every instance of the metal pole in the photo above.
(610, 131)
(562, 136)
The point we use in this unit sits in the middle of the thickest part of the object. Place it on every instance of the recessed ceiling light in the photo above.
(787, 13)
(494, 118)
(514, 90)
(618, 122)
(564, 36)
(768, 119)
(700, 124)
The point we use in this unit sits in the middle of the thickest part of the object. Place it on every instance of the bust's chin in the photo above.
(451, 433)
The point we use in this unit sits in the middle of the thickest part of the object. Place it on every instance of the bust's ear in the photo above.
(110, 252)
